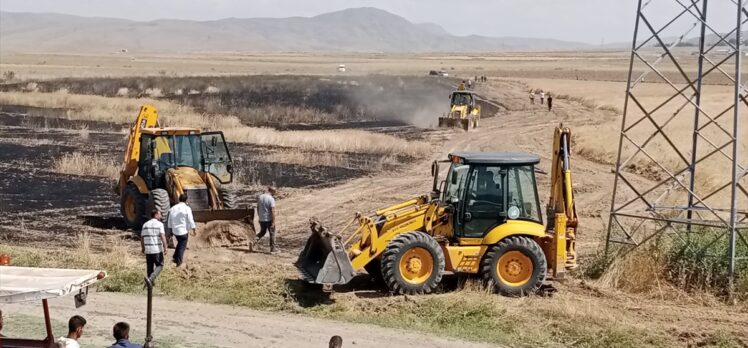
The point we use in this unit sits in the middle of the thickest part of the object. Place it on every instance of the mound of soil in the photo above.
(222, 234)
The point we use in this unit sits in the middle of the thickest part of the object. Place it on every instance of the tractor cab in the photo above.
(459, 98)
(162, 149)
(487, 190)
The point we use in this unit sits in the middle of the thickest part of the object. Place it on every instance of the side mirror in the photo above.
(434, 167)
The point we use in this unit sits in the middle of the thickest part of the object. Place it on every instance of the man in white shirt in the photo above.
(153, 245)
(181, 223)
(266, 215)
(75, 331)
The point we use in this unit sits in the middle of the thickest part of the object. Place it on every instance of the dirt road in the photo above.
(205, 325)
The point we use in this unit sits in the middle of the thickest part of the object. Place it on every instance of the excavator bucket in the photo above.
(446, 122)
(223, 228)
(324, 259)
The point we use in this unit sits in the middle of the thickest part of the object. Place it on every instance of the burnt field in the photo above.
(59, 167)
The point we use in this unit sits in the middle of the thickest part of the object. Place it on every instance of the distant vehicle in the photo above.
(341, 68)
(443, 73)
(433, 73)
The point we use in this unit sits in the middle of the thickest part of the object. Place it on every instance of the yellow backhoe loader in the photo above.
(485, 219)
(160, 164)
(464, 111)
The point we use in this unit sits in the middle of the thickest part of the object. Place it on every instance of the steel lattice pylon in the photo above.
(682, 160)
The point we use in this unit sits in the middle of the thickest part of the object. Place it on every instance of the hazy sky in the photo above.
(590, 21)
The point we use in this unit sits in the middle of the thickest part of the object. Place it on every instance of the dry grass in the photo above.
(354, 141)
(330, 159)
(77, 163)
(599, 141)
(123, 110)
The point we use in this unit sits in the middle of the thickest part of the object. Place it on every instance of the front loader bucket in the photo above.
(324, 259)
(223, 228)
(447, 122)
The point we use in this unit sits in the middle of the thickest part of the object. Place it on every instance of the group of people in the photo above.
(481, 78)
(541, 97)
(153, 238)
(120, 332)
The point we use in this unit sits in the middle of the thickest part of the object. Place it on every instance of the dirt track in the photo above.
(224, 326)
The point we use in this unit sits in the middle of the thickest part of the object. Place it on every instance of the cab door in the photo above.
(216, 158)
(484, 201)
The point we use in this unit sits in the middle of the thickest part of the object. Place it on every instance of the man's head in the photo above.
(183, 198)
(121, 331)
(155, 214)
(336, 342)
(271, 190)
(75, 326)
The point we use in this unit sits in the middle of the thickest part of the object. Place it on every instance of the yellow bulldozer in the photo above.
(161, 164)
(463, 111)
(484, 219)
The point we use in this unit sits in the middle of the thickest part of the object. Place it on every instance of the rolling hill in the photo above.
(350, 30)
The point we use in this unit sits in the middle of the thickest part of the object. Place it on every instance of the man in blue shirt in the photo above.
(121, 333)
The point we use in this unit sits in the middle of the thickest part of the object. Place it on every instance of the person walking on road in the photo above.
(121, 333)
(532, 97)
(75, 331)
(181, 223)
(266, 215)
(550, 102)
(153, 245)
(542, 97)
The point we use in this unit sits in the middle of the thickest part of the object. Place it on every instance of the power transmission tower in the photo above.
(681, 168)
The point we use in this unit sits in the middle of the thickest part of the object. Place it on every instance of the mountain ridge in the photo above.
(365, 29)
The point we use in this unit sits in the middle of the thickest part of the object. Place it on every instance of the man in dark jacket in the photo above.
(121, 333)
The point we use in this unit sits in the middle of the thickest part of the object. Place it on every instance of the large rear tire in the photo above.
(228, 198)
(133, 207)
(160, 201)
(413, 263)
(515, 266)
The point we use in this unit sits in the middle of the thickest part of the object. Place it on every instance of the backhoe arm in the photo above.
(562, 213)
(147, 118)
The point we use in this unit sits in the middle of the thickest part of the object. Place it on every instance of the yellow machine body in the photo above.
(203, 185)
(334, 258)
(464, 111)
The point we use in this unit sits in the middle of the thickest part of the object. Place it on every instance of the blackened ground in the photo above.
(39, 205)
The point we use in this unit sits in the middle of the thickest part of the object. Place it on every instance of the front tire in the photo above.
(133, 206)
(515, 266)
(413, 263)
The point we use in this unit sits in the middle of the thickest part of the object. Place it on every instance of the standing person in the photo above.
(153, 245)
(181, 223)
(75, 331)
(266, 215)
(550, 102)
(121, 333)
(532, 97)
(461, 86)
(542, 97)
